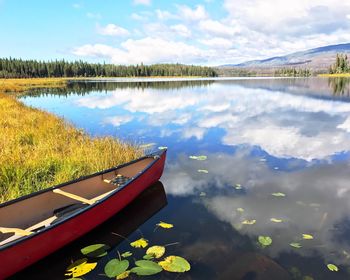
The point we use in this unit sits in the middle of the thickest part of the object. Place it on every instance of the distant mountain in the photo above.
(318, 59)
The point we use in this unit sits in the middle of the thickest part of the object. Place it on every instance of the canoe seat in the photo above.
(118, 181)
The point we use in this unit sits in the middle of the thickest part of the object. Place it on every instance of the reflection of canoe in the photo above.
(147, 204)
(36, 225)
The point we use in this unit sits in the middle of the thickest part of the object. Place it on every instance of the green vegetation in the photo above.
(341, 65)
(293, 72)
(38, 150)
(18, 68)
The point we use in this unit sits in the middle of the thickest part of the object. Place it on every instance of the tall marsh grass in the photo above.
(38, 150)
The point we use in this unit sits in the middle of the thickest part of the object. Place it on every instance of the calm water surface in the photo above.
(260, 136)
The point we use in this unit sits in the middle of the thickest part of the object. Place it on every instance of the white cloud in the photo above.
(216, 28)
(146, 50)
(118, 120)
(186, 13)
(217, 43)
(142, 2)
(181, 30)
(165, 15)
(112, 30)
(138, 16)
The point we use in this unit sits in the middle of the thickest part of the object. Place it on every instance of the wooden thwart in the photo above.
(81, 199)
(17, 231)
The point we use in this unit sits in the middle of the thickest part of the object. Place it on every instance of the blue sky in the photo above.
(208, 32)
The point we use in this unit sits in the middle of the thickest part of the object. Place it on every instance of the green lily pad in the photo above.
(332, 267)
(295, 245)
(198, 157)
(278, 194)
(148, 257)
(265, 240)
(145, 267)
(175, 264)
(115, 267)
(126, 254)
(95, 250)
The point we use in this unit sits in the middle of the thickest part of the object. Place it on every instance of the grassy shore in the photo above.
(38, 149)
(342, 75)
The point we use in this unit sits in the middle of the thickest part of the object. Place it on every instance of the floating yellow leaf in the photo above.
(307, 236)
(165, 225)
(276, 220)
(175, 264)
(80, 267)
(278, 194)
(156, 251)
(295, 245)
(249, 222)
(140, 243)
(123, 275)
(198, 157)
(332, 267)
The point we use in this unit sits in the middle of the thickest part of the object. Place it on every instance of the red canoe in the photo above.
(33, 226)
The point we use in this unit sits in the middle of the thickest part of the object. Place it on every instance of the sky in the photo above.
(206, 32)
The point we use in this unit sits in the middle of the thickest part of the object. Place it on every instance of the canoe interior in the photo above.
(25, 213)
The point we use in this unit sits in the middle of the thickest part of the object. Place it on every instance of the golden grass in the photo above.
(341, 75)
(18, 85)
(38, 149)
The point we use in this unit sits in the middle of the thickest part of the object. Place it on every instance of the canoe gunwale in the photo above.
(157, 154)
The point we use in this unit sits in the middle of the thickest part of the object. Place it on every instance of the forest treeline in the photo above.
(341, 65)
(18, 68)
(293, 72)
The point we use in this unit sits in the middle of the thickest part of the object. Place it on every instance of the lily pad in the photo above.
(116, 267)
(307, 236)
(295, 245)
(145, 267)
(276, 220)
(249, 222)
(95, 250)
(123, 275)
(332, 267)
(265, 240)
(165, 225)
(148, 257)
(198, 157)
(278, 194)
(126, 254)
(80, 267)
(175, 264)
(156, 251)
(140, 243)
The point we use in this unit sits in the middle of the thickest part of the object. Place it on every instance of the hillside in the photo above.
(318, 59)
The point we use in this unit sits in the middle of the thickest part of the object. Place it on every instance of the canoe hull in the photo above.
(29, 251)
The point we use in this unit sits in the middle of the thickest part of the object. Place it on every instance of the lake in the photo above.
(277, 165)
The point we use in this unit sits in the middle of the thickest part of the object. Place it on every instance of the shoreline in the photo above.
(341, 75)
(39, 149)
